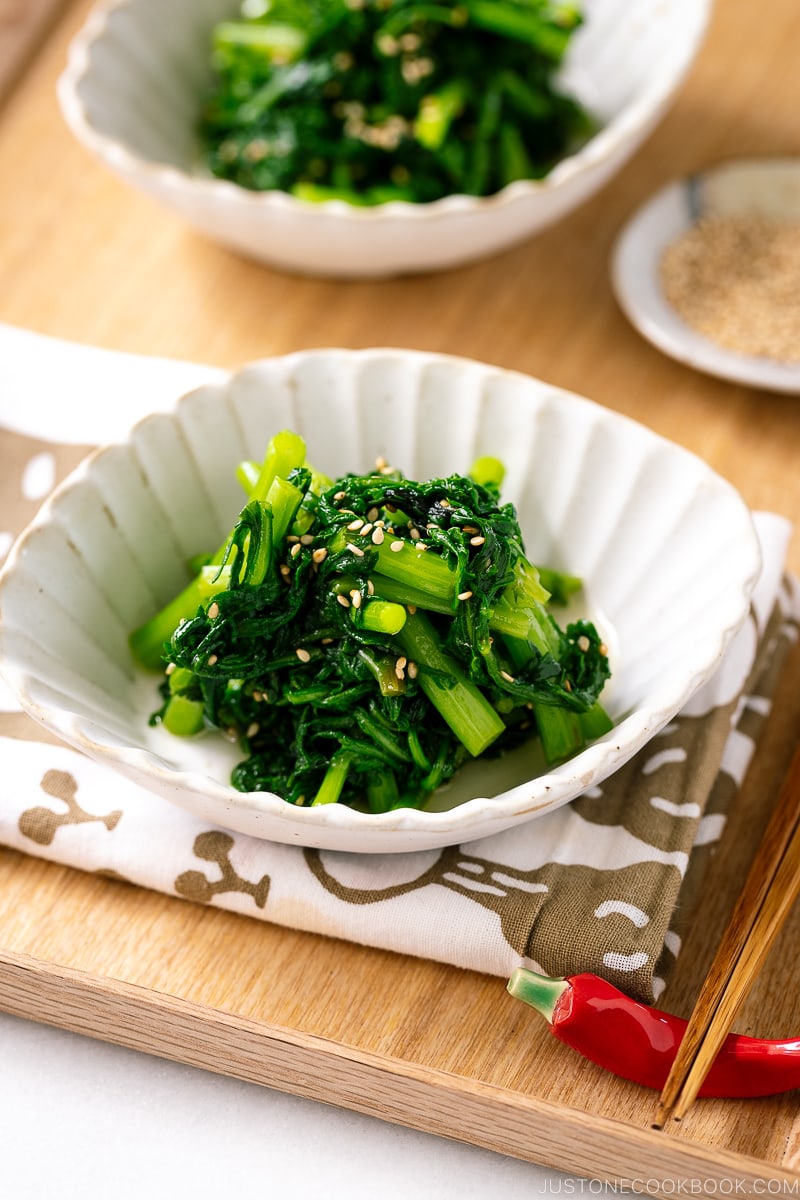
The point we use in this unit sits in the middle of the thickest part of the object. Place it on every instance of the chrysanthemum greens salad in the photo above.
(370, 101)
(364, 637)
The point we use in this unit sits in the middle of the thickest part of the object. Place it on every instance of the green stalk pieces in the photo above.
(465, 709)
(275, 42)
(147, 642)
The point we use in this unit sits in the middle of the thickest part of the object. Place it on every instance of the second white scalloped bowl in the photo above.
(137, 72)
(666, 548)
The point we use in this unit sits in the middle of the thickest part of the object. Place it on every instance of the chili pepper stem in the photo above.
(539, 991)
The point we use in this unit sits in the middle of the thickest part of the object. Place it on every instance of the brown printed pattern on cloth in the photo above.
(41, 824)
(18, 453)
(513, 894)
(749, 720)
(215, 846)
(607, 922)
(550, 914)
(680, 765)
(672, 775)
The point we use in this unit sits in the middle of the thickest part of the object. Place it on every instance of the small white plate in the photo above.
(770, 186)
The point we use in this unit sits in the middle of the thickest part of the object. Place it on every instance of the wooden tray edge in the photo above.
(390, 1089)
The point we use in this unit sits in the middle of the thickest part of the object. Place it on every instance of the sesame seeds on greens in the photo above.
(370, 101)
(362, 671)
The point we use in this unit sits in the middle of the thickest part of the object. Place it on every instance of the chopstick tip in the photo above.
(664, 1113)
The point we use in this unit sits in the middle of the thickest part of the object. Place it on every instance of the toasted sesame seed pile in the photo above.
(736, 280)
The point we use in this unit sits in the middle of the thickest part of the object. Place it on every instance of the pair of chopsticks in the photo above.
(771, 888)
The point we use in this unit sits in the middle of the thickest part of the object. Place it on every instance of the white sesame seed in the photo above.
(370, 587)
(508, 678)
(319, 555)
(365, 530)
(302, 654)
(603, 648)
(213, 610)
(258, 696)
(355, 550)
(401, 662)
(355, 524)
(380, 463)
(444, 502)
(411, 609)
(477, 541)
(252, 729)
(212, 658)
(355, 596)
(284, 570)
(345, 603)
(295, 550)
(465, 595)
(377, 536)
(373, 514)
(326, 641)
(340, 495)
(583, 643)
(170, 668)
(399, 673)
(412, 670)
(415, 535)
(396, 547)
(307, 539)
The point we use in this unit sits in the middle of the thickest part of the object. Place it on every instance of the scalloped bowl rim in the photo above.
(473, 818)
(632, 119)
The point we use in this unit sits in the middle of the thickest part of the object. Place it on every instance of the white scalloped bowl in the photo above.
(666, 548)
(137, 72)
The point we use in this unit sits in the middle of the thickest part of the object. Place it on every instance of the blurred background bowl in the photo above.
(137, 72)
(666, 549)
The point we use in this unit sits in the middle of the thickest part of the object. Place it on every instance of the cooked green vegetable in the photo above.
(376, 100)
(362, 638)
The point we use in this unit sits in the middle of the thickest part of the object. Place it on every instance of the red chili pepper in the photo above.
(639, 1043)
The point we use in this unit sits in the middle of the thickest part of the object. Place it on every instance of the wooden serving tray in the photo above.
(406, 1040)
(440, 1049)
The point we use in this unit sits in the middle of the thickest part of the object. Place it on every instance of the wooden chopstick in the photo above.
(771, 888)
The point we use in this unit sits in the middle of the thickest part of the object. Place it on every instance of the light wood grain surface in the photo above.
(82, 257)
